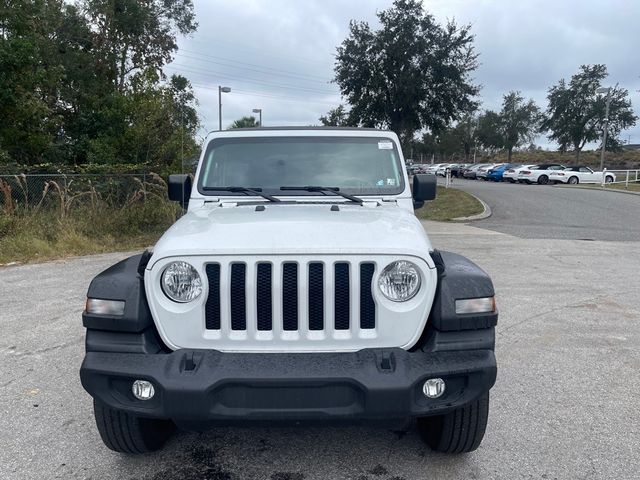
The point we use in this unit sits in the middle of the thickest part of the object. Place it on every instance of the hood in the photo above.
(295, 229)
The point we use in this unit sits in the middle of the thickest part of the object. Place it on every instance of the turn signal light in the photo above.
(98, 306)
(476, 305)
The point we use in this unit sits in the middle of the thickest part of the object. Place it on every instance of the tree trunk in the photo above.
(510, 150)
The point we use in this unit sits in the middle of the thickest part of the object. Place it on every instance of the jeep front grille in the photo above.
(292, 302)
(278, 299)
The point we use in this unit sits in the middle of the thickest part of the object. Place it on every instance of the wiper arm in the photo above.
(336, 190)
(253, 191)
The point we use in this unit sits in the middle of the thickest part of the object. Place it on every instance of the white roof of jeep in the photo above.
(302, 132)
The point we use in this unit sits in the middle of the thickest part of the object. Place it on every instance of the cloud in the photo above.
(278, 55)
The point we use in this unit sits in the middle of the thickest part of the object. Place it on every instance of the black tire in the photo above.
(608, 179)
(573, 180)
(126, 433)
(460, 431)
(543, 180)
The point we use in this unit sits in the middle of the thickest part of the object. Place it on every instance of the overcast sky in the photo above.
(278, 55)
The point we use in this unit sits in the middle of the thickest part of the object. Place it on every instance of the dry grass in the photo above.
(79, 217)
(45, 236)
(450, 203)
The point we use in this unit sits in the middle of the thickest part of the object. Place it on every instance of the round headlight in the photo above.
(399, 281)
(181, 282)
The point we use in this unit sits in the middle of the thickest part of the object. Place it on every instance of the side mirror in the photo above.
(179, 187)
(424, 188)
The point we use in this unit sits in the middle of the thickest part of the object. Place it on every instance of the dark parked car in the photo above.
(457, 169)
(472, 171)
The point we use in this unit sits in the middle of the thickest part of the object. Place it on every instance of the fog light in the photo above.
(433, 388)
(143, 390)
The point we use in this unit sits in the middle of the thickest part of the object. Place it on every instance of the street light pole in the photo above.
(221, 90)
(606, 123)
(258, 110)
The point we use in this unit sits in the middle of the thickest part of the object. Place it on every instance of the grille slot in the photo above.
(263, 297)
(238, 297)
(341, 296)
(212, 307)
(367, 305)
(290, 296)
(316, 296)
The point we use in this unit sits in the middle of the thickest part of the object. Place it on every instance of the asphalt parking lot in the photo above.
(564, 406)
(545, 211)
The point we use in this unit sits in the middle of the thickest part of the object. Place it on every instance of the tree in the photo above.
(81, 82)
(245, 122)
(133, 35)
(519, 120)
(467, 131)
(575, 114)
(490, 131)
(411, 74)
(337, 117)
(28, 79)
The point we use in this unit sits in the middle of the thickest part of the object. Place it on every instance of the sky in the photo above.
(278, 55)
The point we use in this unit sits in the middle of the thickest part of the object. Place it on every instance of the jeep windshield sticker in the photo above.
(383, 145)
(391, 181)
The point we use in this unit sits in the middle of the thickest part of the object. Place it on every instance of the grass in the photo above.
(46, 235)
(449, 204)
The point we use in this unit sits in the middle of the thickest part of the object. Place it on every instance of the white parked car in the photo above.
(298, 286)
(442, 169)
(580, 174)
(432, 169)
(511, 174)
(539, 173)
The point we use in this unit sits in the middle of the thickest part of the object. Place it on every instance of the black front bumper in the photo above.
(209, 386)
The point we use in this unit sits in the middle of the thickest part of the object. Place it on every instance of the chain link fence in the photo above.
(66, 192)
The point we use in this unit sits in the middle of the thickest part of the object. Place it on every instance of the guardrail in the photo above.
(625, 177)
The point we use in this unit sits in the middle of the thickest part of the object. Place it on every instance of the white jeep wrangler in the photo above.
(300, 287)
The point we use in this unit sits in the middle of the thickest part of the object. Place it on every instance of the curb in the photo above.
(613, 190)
(486, 213)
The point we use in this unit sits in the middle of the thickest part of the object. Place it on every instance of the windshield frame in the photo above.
(215, 142)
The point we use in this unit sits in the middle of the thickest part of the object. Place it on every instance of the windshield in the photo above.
(359, 165)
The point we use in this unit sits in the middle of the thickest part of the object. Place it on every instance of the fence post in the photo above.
(604, 176)
(626, 182)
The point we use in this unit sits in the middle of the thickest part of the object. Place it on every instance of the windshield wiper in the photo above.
(247, 190)
(336, 190)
